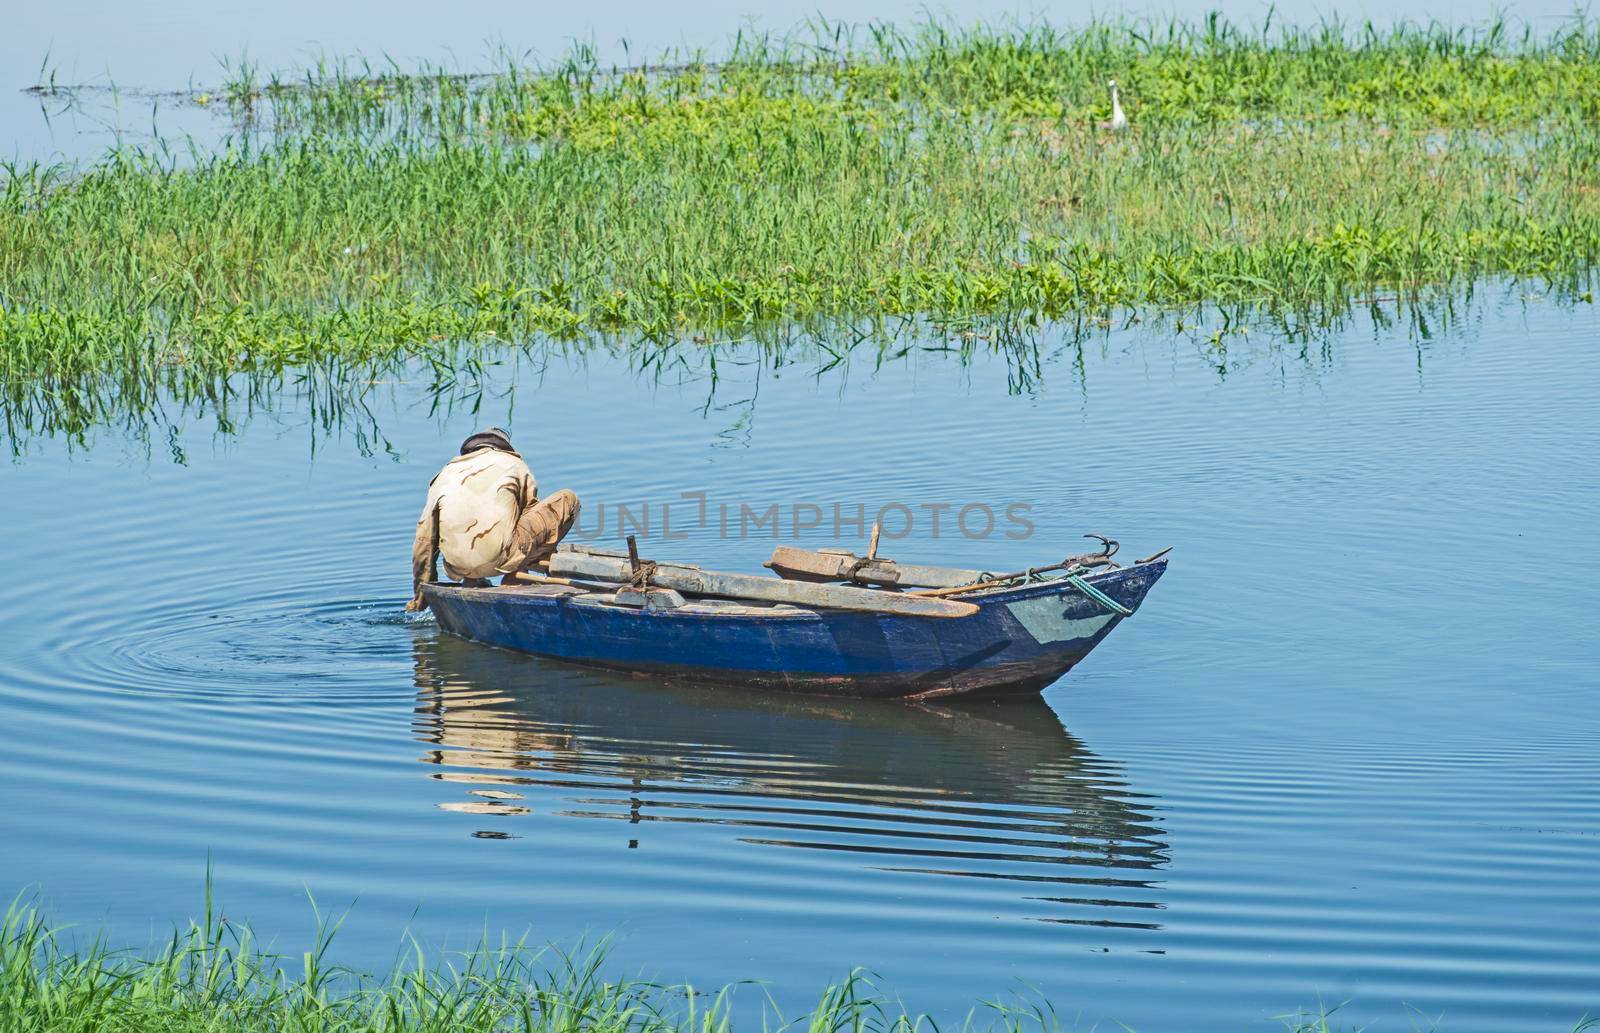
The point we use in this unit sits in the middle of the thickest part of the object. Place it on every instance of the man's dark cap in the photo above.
(491, 437)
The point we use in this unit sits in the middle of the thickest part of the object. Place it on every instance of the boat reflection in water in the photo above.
(996, 791)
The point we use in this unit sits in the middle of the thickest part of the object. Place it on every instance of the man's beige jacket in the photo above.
(477, 499)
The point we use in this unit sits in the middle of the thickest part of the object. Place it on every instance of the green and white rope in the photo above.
(1098, 596)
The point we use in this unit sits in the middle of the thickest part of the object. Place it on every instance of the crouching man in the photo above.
(485, 517)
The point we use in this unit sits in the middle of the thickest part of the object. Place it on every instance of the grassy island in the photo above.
(845, 178)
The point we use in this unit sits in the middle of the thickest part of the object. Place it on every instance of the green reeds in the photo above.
(850, 180)
(214, 976)
(1433, 75)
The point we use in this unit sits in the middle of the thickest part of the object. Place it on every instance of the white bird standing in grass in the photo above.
(1119, 118)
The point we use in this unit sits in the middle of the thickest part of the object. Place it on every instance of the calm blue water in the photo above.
(1348, 751)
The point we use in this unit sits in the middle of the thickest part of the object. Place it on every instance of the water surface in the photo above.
(1347, 751)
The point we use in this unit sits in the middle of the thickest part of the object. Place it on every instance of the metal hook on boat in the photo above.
(1108, 546)
(1108, 549)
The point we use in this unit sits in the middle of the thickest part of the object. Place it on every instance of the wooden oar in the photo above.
(822, 565)
(540, 575)
(595, 565)
(535, 577)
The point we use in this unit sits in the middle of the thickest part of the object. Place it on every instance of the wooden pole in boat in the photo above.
(1078, 563)
(1088, 561)
(534, 576)
(593, 565)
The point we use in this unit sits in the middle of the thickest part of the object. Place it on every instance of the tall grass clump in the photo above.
(1212, 71)
(844, 178)
(213, 976)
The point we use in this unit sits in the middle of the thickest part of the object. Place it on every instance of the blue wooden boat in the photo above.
(1020, 638)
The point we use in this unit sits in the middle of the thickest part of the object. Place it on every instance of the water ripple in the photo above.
(1348, 751)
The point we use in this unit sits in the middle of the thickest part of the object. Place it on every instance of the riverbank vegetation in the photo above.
(847, 179)
(213, 976)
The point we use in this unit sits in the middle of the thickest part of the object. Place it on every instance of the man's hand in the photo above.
(417, 603)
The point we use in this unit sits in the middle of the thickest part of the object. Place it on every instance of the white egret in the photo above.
(1119, 118)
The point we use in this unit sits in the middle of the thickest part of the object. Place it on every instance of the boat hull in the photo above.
(1020, 640)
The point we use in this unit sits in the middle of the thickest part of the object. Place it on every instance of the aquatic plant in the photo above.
(215, 976)
(850, 180)
(1431, 75)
